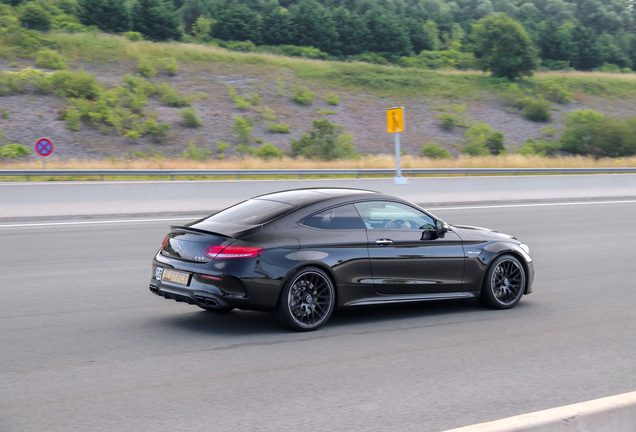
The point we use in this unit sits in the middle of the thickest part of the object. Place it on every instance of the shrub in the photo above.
(50, 59)
(435, 151)
(332, 99)
(74, 84)
(171, 97)
(541, 148)
(588, 132)
(535, 109)
(12, 151)
(221, 147)
(189, 116)
(168, 66)
(73, 118)
(244, 150)
(482, 140)
(147, 68)
(196, 153)
(448, 121)
(243, 128)
(277, 127)
(133, 36)
(269, 151)
(325, 141)
(303, 96)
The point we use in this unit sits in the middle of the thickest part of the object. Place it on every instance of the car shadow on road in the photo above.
(238, 322)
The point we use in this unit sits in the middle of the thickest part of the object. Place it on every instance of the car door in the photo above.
(406, 255)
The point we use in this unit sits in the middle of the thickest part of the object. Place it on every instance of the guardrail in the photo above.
(300, 173)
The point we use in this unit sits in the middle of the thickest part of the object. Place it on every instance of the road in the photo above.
(84, 346)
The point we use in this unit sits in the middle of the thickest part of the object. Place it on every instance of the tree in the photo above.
(191, 11)
(237, 22)
(353, 34)
(156, 19)
(111, 16)
(313, 26)
(388, 37)
(34, 17)
(502, 46)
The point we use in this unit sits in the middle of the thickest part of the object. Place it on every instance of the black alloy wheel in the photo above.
(307, 300)
(504, 283)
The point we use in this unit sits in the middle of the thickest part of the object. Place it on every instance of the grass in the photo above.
(379, 80)
(369, 162)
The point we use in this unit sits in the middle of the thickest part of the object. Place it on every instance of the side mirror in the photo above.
(440, 228)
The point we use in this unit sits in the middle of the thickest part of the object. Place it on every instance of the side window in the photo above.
(343, 217)
(392, 215)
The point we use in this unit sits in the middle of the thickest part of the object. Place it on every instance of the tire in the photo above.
(504, 283)
(307, 300)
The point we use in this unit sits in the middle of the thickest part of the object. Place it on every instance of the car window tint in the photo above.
(392, 215)
(252, 212)
(343, 217)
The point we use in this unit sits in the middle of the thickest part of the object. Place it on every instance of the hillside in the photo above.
(207, 74)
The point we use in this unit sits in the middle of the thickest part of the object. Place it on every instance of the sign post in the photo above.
(395, 125)
(43, 147)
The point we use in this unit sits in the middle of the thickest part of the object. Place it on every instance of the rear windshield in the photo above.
(251, 212)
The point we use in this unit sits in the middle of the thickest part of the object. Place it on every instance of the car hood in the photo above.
(471, 233)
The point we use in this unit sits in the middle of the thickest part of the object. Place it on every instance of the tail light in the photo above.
(164, 243)
(232, 252)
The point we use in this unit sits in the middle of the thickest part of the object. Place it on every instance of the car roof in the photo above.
(307, 196)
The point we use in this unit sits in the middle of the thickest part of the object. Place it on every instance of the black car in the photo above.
(301, 253)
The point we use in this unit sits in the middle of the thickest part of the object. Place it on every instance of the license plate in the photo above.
(176, 277)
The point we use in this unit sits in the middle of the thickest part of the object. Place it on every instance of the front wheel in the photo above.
(504, 283)
(307, 300)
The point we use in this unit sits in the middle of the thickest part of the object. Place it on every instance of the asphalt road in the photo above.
(84, 346)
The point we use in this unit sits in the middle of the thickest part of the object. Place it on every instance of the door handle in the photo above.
(384, 242)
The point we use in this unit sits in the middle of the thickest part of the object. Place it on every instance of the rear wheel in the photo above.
(504, 283)
(307, 300)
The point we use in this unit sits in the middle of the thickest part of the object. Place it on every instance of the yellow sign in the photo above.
(395, 120)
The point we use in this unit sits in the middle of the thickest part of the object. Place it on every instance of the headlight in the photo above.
(525, 248)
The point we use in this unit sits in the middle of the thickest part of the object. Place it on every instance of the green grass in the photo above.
(378, 80)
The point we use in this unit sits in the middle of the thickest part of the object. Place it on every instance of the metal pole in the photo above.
(399, 179)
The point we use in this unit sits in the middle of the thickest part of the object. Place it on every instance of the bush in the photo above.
(332, 99)
(325, 141)
(482, 140)
(169, 66)
(243, 128)
(147, 68)
(448, 121)
(244, 150)
(171, 97)
(189, 116)
(269, 151)
(50, 59)
(12, 151)
(221, 147)
(535, 109)
(277, 127)
(303, 96)
(196, 153)
(541, 148)
(435, 151)
(133, 36)
(590, 133)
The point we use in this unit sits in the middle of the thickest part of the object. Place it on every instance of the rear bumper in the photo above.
(204, 299)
